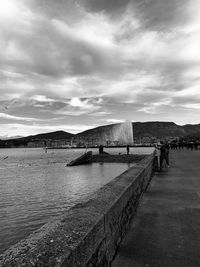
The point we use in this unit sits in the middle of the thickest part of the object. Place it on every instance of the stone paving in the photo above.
(166, 230)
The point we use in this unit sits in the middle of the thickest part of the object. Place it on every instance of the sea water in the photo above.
(36, 186)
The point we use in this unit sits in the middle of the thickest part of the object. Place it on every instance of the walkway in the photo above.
(166, 230)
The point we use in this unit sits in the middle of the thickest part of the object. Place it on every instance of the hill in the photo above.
(143, 132)
(37, 140)
(158, 129)
(192, 129)
(58, 135)
(108, 133)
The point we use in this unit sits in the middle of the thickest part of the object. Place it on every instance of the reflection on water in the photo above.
(35, 186)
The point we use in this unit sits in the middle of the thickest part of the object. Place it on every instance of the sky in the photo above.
(74, 65)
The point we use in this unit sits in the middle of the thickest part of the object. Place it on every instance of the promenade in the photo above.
(166, 229)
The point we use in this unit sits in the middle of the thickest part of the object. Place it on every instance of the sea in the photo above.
(36, 186)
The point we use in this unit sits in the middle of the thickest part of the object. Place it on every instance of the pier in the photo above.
(165, 230)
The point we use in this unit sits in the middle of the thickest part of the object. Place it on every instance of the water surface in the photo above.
(36, 186)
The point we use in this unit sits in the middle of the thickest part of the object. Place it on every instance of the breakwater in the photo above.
(117, 158)
(89, 233)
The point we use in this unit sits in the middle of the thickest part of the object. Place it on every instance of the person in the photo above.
(127, 149)
(167, 147)
(164, 154)
(157, 155)
(100, 149)
(196, 145)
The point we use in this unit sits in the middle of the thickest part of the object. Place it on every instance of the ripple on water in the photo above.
(35, 186)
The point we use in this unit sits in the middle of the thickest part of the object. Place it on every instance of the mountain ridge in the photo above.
(50, 135)
(158, 129)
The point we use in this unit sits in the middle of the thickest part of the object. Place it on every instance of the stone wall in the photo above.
(89, 233)
(118, 158)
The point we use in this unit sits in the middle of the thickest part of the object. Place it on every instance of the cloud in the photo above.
(79, 60)
(159, 15)
(42, 98)
(108, 6)
(156, 107)
(11, 117)
(77, 106)
(100, 113)
(25, 130)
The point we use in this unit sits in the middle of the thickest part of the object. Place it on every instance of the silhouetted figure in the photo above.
(174, 145)
(196, 145)
(164, 154)
(167, 147)
(157, 155)
(100, 149)
(179, 145)
(127, 149)
(191, 145)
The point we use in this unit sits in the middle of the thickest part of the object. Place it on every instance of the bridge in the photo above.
(166, 229)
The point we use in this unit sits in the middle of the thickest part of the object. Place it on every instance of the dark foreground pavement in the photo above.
(166, 230)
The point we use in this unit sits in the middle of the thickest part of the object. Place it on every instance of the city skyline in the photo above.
(75, 65)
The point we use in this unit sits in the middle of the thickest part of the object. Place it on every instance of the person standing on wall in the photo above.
(127, 149)
(101, 149)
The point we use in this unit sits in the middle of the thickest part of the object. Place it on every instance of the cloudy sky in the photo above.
(73, 65)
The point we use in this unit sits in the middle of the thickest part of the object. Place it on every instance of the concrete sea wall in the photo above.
(89, 233)
(105, 158)
(117, 158)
